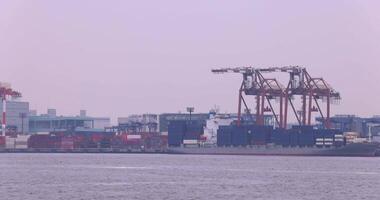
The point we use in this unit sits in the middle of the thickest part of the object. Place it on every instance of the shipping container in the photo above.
(306, 137)
(303, 128)
(194, 127)
(10, 142)
(240, 136)
(39, 141)
(260, 135)
(293, 137)
(2, 141)
(67, 142)
(339, 140)
(22, 142)
(278, 138)
(224, 135)
(329, 137)
(192, 136)
(176, 132)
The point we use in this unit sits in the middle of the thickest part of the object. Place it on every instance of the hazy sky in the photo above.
(116, 58)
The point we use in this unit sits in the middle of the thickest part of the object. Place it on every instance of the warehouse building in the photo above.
(51, 122)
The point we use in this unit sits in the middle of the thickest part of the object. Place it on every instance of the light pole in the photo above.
(190, 110)
(370, 126)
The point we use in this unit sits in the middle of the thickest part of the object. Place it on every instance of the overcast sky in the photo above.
(116, 58)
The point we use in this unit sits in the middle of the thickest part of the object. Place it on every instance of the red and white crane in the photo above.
(300, 83)
(6, 91)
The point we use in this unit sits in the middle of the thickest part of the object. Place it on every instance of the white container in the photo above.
(190, 142)
(133, 137)
(10, 143)
(20, 146)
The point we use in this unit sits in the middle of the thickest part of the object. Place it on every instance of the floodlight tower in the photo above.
(190, 110)
(6, 91)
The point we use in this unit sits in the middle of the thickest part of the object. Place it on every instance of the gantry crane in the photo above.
(6, 91)
(311, 90)
(265, 90)
(300, 84)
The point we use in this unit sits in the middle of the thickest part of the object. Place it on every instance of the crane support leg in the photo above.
(3, 124)
(310, 109)
(328, 125)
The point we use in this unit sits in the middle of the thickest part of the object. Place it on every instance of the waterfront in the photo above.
(149, 176)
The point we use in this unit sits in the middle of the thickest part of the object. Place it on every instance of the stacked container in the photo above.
(224, 136)
(2, 141)
(328, 139)
(67, 142)
(305, 135)
(176, 132)
(10, 142)
(260, 135)
(293, 134)
(240, 136)
(194, 130)
(39, 141)
(338, 140)
(22, 142)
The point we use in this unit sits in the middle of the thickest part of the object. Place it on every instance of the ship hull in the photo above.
(355, 150)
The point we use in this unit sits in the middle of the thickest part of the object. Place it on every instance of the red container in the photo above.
(2, 141)
(79, 141)
(39, 141)
(134, 139)
(67, 143)
(54, 142)
(97, 137)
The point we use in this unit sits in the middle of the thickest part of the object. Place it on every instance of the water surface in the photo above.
(173, 177)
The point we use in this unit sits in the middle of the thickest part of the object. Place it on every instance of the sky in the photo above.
(115, 58)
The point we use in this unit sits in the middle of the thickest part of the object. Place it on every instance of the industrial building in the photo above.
(166, 117)
(204, 117)
(144, 122)
(51, 122)
(352, 123)
(17, 116)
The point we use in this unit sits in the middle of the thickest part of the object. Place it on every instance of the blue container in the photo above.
(176, 132)
(293, 137)
(260, 135)
(224, 136)
(194, 127)
(175, 140)
(192, 136)
(306, 138)
(177, 127)
(285, 138)
(303, 127)
(240, 136)
(277, 136)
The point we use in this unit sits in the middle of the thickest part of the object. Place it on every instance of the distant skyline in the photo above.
(116, 58)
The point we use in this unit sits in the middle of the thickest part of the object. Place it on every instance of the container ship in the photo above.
(256, 137)
(186, 138)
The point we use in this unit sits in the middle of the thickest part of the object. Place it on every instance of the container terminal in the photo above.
(266, 131)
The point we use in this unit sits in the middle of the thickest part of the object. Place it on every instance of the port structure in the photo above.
(300, 84)
(312, 91)
(6, 91)
(264, 89)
